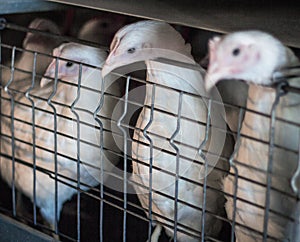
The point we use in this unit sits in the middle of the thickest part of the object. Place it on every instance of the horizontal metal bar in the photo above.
(195, 67)
(279, 19)
(63, 38)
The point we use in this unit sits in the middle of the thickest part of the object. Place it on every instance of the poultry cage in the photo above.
(69, 164)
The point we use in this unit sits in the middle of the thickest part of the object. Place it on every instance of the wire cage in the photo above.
(46, 131)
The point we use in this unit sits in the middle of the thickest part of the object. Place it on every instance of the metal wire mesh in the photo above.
(24, 97)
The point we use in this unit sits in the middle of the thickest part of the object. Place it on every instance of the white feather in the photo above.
(150, 40)
(91, 158)
(33, 42)
(259, 56)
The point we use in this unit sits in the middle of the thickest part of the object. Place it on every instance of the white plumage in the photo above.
(146, 41)
(37, 43)
(254, 56)
(65, 95)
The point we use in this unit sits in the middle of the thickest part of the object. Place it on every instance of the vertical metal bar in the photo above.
(294, 184)
(78, 148)
(150, 160)
(177, 165)
(100, 105)
(279, 93)
(27, 95)
(2, 23)
(125, 156)
(236, 173)
(207, 129)
(49, 101)
(1, 27)
(12, 128)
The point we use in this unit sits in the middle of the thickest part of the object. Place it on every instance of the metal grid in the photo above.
(28, 99)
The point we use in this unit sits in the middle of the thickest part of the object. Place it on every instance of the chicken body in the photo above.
(33, 42)
(168, 138)
(65, 142)
(270, 212)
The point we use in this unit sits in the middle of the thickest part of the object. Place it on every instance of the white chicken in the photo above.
(65, 141)
(169, 138)
(266, 205)
(34, 42)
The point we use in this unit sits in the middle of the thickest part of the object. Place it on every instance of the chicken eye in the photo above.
(131, 50)
(69, 64)
(236, 52)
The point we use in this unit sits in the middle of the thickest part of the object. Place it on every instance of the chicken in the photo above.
(101, 29)
(34, 42)
(234, 95)
(266, 206)
(169, 138)
(66, 143)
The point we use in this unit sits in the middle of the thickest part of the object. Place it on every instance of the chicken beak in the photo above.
(50, 72)
(210, 81)
(45, 80)
(213, 76)
(109, 64)
(106, 69)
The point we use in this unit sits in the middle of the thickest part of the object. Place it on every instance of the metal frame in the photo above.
(127, 205)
